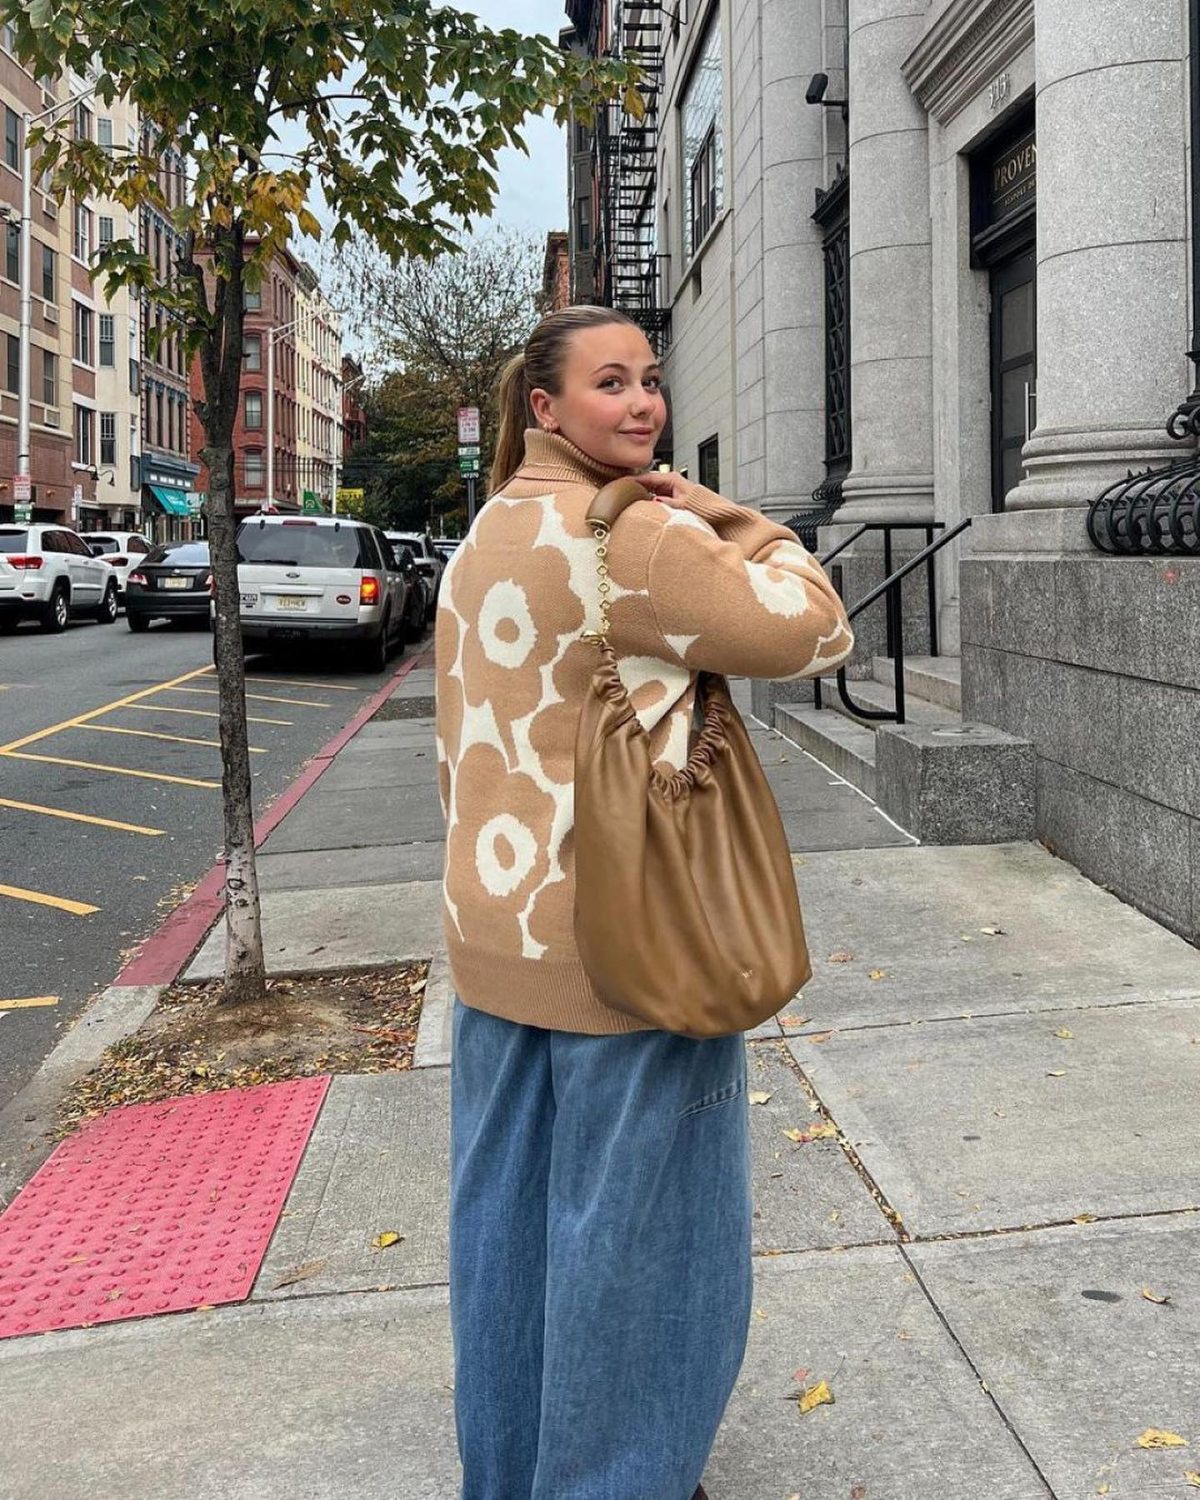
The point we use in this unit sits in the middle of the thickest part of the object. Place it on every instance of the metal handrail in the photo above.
(891, 587)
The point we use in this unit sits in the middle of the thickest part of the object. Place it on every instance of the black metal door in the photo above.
(1014, 369)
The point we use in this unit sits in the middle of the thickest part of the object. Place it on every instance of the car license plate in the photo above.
(249, 601)
(176, 583)
(291, 601)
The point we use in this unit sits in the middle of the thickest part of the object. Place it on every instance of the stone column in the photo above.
(891, 390)
(1112, 278)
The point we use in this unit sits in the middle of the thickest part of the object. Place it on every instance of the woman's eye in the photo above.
(610, 384)
(654, 383)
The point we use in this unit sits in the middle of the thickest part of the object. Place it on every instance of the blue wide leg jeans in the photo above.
(600, 1274)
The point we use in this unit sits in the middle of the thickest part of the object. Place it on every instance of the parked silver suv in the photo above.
(320, 579)
(59, 575)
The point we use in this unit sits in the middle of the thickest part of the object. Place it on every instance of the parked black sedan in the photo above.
(172, 582)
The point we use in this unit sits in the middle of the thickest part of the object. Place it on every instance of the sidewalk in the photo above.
(1011, 1057)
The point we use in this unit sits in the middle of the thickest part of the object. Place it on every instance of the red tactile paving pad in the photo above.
(154, 1208)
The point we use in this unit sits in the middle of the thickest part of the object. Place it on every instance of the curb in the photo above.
(123, 1005)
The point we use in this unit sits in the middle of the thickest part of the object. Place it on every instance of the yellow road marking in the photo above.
(95, 713)
(27, 1004)
(76, 817)
(92, 765)
(39, 898)
(202, 713)
(154, 734)
(333, 687)
(259, 698)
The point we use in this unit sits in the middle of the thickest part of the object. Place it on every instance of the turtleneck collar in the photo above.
(548, 455)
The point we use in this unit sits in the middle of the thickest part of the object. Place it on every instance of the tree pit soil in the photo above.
(362, 1021)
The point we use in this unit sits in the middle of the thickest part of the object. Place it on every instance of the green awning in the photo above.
(173, 502)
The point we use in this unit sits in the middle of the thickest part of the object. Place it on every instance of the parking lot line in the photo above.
(29, 1003)
(95, 713)
(202, 713)
(40, 898)
(77, 817)
(333, 687)
(92, 765)
(154, 734)
(258, 697)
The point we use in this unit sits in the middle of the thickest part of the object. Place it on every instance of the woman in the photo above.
(600, 1203)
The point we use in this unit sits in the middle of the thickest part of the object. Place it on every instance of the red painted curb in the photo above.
(161, 958)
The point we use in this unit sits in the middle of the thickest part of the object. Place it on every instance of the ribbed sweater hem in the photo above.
(554, 996)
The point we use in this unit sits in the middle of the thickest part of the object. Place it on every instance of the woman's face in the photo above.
(611, 403)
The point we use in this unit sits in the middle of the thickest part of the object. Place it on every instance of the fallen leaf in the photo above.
(992, 931)
(1104, 1489)
(758, 1313)
(1192, 1478)
(820, 1036)
(815, 1395)
(1152, 1296)
(824, 1130)
(1057, 1073)
(758, 1096)
(386, 1238)
(792, 1021)
(859, 1492)
(309, 1268)
(801, 1377)
(1154, 1437)
(1084, 1219)
(841, 957)
(877, 974)
(1064, 1033)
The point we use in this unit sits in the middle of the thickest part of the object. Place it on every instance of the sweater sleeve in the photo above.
(733, 592)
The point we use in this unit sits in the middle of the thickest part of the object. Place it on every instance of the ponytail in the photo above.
(516, 415)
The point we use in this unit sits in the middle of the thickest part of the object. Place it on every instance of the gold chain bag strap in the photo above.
(686, 913)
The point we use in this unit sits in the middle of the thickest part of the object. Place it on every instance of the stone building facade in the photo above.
(925, 264)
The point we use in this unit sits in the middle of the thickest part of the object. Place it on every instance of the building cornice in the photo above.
(968, 44)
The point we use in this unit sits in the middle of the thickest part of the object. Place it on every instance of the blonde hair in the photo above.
(538, 367)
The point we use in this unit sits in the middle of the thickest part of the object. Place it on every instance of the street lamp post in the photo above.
(26, 274)
(272, 335)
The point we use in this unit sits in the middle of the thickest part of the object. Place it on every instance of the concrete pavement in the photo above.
(1005, 1050)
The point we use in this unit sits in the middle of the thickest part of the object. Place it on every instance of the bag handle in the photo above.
(607, 504)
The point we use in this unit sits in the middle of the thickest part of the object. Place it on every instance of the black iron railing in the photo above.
(891, 590)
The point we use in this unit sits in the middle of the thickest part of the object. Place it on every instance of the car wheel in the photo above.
(107, 612)
(57, 614)
(374, 656)
(137, 623)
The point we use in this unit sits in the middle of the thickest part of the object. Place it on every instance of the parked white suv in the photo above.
(320, 579)
(59, 575)
(121, 550)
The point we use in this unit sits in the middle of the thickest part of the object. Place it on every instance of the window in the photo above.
(106, 230)
(84, 430)
(49, 274)
(583, 224)
(159, 424)
(253, 469)
(8, 38)
(108, 438)
(700, 112)
(12, 253)
(135, 377)
(254, 416)
(81, 246)
(710, 464)
(104, 133)
(12, 139)
(252, 349)
(83, 334)
(108, 341)
(13, 375)
(253, 299)
(83, 122)
(49, 378)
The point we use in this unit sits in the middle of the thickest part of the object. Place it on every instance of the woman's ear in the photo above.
(543, 409)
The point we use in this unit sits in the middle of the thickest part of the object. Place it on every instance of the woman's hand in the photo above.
(670, 488)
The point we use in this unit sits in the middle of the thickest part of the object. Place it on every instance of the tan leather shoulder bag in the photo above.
(686, 913)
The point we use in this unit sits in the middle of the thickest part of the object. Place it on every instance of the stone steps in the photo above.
(938, 679)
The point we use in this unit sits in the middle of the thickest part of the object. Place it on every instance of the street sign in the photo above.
(468, 465)
(22, 489)
(311, 505)
(468, 424)
(468, 450)
(22, 514)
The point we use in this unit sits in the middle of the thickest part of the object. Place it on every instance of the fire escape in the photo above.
(627, 170)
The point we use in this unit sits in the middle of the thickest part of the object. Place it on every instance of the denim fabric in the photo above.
(600, 1273)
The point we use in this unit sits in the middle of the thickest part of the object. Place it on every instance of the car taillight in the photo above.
(137, 578)
(368, 591)
(28, 563)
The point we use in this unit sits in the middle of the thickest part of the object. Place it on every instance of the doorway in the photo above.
(1014, 369)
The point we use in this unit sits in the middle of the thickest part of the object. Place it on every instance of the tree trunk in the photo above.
(245, 972)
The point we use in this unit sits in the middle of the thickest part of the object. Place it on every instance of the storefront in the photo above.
(169, 501)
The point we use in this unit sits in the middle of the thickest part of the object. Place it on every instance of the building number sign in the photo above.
(999, 90)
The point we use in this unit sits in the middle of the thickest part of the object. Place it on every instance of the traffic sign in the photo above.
(22, 489)
(468, 466)
(468, 424)
(22, 514)
(468, 450)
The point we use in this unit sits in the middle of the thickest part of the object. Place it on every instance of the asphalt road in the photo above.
(77, 894)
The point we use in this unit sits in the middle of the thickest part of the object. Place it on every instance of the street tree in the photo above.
(404, 110)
